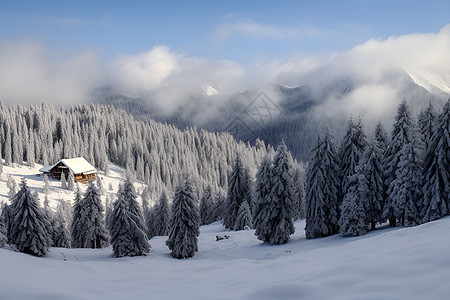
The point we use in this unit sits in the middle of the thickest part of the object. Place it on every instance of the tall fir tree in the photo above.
(406, 194)
(161, 215)
(350, 152)
(90, 229)
(426, 123)
(207, 207)
(371, 165)
(277, 225)
(63, 181)
(299, 193)
(71, 182)
(436, 188)
(401, 135)
(244, 219)
(381, 137)
(29, 231)
(353, 214)
(184, 225)
(128, 237)
(133, 205)
(262, 190)
(238, 192)
(322, 189)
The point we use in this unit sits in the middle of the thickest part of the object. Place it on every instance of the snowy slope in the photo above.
(402, 263)
(399, 263)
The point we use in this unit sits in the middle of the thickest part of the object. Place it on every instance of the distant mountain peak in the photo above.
(209, 90)
(434, 82)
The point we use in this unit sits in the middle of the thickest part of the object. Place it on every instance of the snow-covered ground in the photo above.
(389, 263)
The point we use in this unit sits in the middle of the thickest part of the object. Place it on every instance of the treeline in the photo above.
(403, 180)
(155, 153)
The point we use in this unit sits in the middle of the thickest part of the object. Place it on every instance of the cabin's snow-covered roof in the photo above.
(76, 165)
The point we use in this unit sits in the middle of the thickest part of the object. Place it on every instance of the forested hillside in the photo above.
(156, 153)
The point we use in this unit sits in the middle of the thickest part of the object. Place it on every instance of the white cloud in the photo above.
(29, 73)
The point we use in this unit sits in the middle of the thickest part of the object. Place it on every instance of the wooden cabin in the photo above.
(82, 170)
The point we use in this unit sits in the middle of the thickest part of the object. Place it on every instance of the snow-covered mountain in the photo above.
(300, 111)
(437, 83)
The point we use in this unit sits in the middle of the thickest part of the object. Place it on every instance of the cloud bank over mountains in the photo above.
(30, 72)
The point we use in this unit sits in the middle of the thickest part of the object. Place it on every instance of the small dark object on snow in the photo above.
(222, 237)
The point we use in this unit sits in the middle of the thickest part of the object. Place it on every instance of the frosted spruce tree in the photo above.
(12, 185)
(3, 228)
(426, 124)
(71, 182)
(161, 215)
(89, 230)
(127, 235)
(134, 207)
(350, 152)
(29, 231)
(401, 135)
(63, 181)
(381, 137)
(46, 185)
(353, 213)
(76, 216)
(99, 181)
(277, 225)
(322, 189)
(405, 191)
(262, 191)
(244, 219)
(371, 167)
(207, 207)
(299, 193)
(184, 225)
(436, 188)
(238, 192)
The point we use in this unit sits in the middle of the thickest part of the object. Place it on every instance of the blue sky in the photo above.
(62, 51)
(241, 31)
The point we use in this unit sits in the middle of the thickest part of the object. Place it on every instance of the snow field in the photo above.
(389, 263)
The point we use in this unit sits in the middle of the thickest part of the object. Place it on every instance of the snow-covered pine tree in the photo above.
(161, 215)
(401, 135)
(372, 168)
(127, 236)
(381, 137)
(184, 225)
(46, 185)
(237, 193)
(207, 207)
(277, 226)
(406, 194)
(101, 190)
(90, 229)
(244, 219)
(63, 181)
(71, 182)
(29, 230)
(353, 214)
(426, 123)
(110, 187)
(61, 233)
(322, 186)
(12, 185)
(3, 229)
(299, 193)
(75, 226)
(133, 206)
(262, 191)
(350, 152)
(436, 188)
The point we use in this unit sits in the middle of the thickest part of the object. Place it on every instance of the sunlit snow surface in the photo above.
(399, 263)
